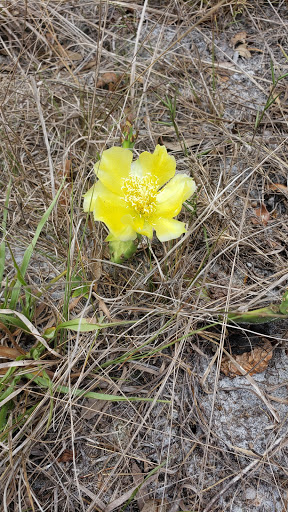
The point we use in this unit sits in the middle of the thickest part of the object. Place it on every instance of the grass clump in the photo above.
(111, 391)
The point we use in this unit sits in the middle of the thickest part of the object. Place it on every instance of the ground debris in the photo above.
(254, 361)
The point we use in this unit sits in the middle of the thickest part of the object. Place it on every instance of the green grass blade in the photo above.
(29, 251)
(130, 354)
(257, 316)
(284, 304)
(20, 278)
(50, 387)
(17, 422)
(29, 327)
(11, 320)
(83, 325)
(9, 389)
(86, 325)
(42, 382)
(4, 413)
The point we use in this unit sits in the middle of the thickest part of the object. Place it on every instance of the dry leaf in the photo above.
(240, 37)
(68, 168)
(93, 407)
(104, 308)
(263, 214)
(74, 302)
(66, 456)
(150, 506)
(176, 146)
(223, 78)
(252, 49)
(90, 64)
(73, 55)
(109, 79)
(10, 353)
(243, 51)
(224, 70)
(278, 187)
(225, 67)
(252, 362)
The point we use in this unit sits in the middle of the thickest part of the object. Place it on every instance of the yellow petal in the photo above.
(168, 229)
(110, 209)
(113, 167)
(139, 224)
(170, 199)
(111, 204)
(159, 164)
(147, 230)
(90, 200)
(143, 228)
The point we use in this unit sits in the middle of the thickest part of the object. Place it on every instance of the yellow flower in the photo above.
(130, 197)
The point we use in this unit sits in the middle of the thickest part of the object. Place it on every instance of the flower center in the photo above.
(140, 193)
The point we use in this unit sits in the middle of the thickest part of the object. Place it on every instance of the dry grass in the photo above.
(70, 75)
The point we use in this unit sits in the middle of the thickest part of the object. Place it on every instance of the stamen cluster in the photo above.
(140, 193)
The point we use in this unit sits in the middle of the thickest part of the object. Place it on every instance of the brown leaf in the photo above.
(223, 78)
(278, 187)
(257, 50)
(252, 362)
(66, 456)
(92, 408)
(74, 302)
(255, 221)
(73, 55)
(90, 64)
(240, 37)
(95, 266)
(67, 168)
(243, 51)
(9, 353)
(263, 214)
(150, 506)
(104, 308)
(110, 78)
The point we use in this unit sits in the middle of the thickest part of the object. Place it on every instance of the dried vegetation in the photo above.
(71, 74)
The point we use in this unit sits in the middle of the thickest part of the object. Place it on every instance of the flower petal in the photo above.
(111, 209)
(170, 199)
(126, 218)
(168, 229)
(113, 167)
(159, 164)
(139, 224)
(147, 230)
(90, 199)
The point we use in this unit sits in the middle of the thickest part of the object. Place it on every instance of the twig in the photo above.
(38, 103)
